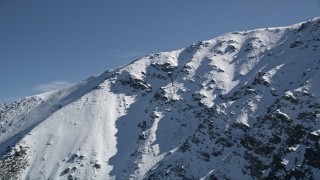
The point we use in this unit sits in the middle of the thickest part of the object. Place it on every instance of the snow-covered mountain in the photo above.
(244, 105)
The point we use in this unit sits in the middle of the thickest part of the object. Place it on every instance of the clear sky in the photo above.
(47, 44)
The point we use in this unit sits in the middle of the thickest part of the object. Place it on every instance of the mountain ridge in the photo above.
(244, 104)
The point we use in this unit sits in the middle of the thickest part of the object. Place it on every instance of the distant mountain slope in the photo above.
(244, 105)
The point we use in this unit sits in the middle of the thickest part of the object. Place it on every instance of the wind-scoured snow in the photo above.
(242, 105)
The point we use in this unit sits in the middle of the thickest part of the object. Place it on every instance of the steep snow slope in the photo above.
(242, 105)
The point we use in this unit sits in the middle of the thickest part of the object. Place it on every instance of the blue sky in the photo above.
(48, 44)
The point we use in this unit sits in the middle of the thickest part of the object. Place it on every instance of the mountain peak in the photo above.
(241, 105)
